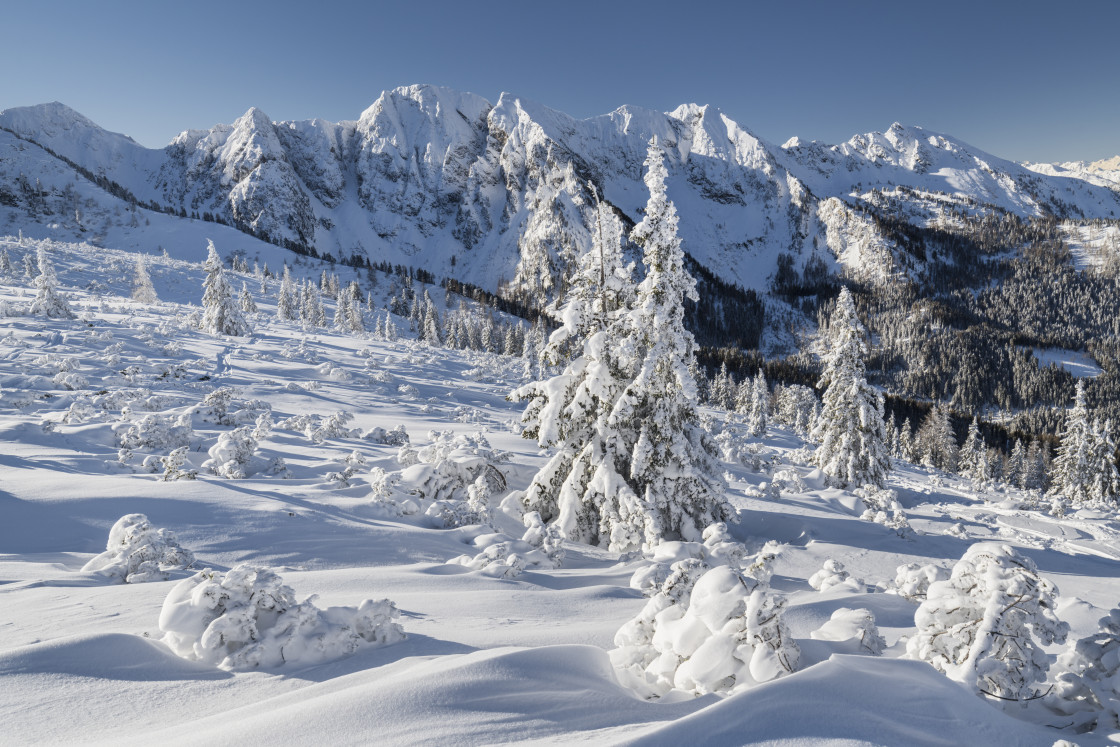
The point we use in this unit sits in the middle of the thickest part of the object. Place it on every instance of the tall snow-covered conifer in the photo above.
(287, 300)
(850, 428)
(220, 312)
(569, 411)
(673, 485)
(1072, 475)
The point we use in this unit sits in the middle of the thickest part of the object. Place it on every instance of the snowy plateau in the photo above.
(316, 532)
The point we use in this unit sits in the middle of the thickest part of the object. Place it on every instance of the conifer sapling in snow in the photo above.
(142, 288)
(48, 301)
(220, 313)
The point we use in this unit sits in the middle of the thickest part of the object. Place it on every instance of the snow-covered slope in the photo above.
(444, 180)
(1103, 173)
(487, 659)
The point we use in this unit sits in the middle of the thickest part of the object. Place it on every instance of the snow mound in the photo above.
(248, 618)
(491, 696)
(138, 552)
(853, 700)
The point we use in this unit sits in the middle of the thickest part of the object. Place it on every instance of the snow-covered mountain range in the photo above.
(447, 181)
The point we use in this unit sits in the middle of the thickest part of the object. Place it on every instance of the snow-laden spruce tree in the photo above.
(850, 431)
(979, 626)
(569, 411)
(722, 391)
(48, 301)
(1104, 483)
(1083, 472)
(245, 300)
(551, 240)
(972, 461)
(6, 268)
(669, 461)
(937, 444)
(220, 312)
(760, 405)
(142, 288)
(287, 299)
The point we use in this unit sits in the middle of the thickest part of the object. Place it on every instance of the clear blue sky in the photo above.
(1024, 80)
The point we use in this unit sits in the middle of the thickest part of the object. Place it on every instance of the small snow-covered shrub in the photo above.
(1089, 684)
(385, 496)
(979, 626)
(138, 552)
(353, 462)
(457, 513)
(882, 507)
(248, 618)
(157, 432)
(856, 628)
(912, 580)
(215, 406)
(450, 463)
(396, 437)
(715, 631)
(318, 429)
(262, 426)
(233, 454)
(717, 548)
(832, 574)
(504, 557)
(174, 463)
(70, 380)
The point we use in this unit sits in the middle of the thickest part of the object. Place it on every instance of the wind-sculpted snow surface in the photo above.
(247, 618)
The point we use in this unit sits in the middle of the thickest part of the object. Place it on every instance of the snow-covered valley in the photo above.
(507, 634)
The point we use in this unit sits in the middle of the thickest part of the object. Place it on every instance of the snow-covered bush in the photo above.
(215, 406)
(248, 618)
(541, 547)
(979, 626)
(138, 552)
(717, 548)
(396, 437)
(318, 429)
(173, 465)
(832, 574)
(882, 507)
(450, 463)
(912, 580)
(1089, 684)
(715, 631)
(385, 496)
(233, 453)
(856, 628)
(70, 380)
(353, 462)
(156, 432)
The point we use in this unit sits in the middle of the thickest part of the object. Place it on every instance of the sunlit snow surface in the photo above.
(1078, 363)
(486, 660)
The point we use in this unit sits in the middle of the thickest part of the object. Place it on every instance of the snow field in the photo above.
(486, 658)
